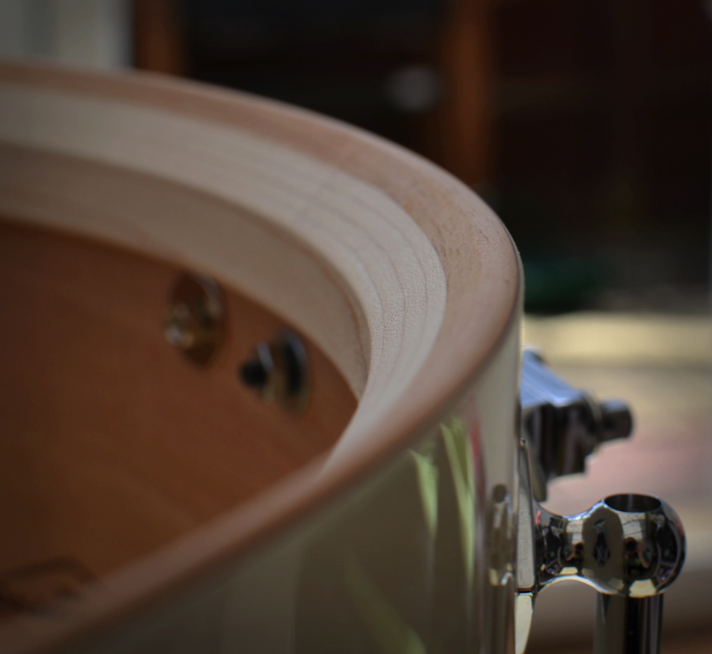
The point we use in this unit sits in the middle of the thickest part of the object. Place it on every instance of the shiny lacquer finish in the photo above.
(417, 557)
(401, 537)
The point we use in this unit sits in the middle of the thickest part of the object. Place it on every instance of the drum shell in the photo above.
(419, 543)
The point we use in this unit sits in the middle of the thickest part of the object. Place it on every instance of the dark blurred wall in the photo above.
(604, 134)
(333, 57)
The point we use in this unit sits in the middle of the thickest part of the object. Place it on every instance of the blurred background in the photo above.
(586, 125)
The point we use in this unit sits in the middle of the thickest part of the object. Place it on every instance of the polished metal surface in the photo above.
(563, 424)
(630, 548)
(628, 625)
(629, 545)
(195, 321)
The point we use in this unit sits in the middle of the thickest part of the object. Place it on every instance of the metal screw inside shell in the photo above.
(278, 371)
(195, 320)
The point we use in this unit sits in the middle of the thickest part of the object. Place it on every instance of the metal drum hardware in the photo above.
(628, 547)
(195, 321)
(278, 371)
(564, 424)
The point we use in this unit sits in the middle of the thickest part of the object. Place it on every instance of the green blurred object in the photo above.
(556, 284)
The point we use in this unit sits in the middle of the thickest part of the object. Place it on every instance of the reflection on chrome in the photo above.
(625, 546)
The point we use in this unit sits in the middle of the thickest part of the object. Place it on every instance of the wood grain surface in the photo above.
(113, 443)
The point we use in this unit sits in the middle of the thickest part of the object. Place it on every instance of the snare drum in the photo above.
(260, 383)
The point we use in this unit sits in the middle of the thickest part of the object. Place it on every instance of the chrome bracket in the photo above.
(630, 548)
(563, 424)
